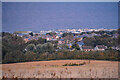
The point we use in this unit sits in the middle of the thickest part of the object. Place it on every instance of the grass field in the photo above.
(55, 69)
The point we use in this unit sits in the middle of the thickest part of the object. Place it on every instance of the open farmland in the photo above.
(55, 69)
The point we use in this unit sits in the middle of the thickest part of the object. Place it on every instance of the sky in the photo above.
(37, 16)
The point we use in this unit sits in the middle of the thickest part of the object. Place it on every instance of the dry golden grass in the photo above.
(54, 69)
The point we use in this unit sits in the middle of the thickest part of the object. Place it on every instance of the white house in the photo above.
(87, 48)
(100, 47)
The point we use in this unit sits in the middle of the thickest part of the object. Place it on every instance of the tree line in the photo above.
(14, 49)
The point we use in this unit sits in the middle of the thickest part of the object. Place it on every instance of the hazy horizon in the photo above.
(37, 16)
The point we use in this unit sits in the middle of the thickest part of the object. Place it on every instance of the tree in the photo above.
(32, 42)
(82, 33)
(41, 41)
(51, 33)
(64, 46)
(31, 33)
(100, 40)
(48, 47)
(67, 34)
(76, 46)
(31, 47)
(15, 56)
(44, 47)
(39, 48)
(11, 43)
(30, 56)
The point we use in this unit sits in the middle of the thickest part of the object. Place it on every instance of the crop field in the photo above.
(56, 69)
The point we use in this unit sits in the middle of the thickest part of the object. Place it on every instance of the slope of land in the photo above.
(55, 69)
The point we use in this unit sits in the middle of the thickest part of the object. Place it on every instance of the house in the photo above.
(56, 37)
(26, 40)
(85, 35)
(115, 36)
(116, 47)
(94, 34)
(77, 39)
(70, 45)
(87, 48)
(100, 47)
(80, 43)
(61, 41)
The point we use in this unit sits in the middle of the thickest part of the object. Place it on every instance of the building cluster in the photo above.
(90, 48)
(69, 40)
(76, 30)
(43, 36)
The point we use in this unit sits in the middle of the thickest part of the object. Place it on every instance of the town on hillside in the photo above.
(80, 39)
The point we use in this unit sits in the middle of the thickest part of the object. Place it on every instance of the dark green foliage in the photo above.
(30, 47)
(39, 48)
(15, 56)
(31, 33)
(67, 34)
(100, 40)
(74, 64)
(118, 37)
(30, 56)
(41, 41)
(32, 42)
(94, 55)
(64, 46)
(55, 43)
(48, 47)
(76, 46)
(11, 43)
(51, 33)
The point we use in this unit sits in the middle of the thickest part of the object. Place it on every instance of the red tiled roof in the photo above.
(101, 46)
